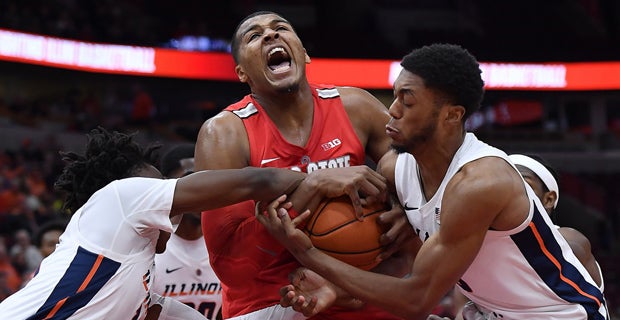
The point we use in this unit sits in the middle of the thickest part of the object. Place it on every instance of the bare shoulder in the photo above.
(368, 116)
(222, 122)
(387, 163)
(487, 174)
(222, 143)
(386, 167)
(575, 238)
(355, 98)
(493, 190)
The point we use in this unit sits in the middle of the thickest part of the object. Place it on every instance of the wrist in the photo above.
(310, 257)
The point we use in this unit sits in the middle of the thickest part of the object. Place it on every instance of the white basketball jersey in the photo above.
(529, 272)
(183, 272)
(101, 269)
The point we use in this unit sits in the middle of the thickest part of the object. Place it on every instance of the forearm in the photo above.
(307, 196)
(354, 182)
(376, 289)
(268, 184)
(209, 189)
(397, 265)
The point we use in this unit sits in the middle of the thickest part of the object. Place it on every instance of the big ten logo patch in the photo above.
(331, 144)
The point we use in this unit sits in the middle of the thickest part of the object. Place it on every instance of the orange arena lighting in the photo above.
(371, 74)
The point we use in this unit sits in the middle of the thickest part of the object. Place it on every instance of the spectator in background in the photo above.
(10, 280)
(46, 239)
(48, 236)
(143, 107)
(183, 271)
(10, 199)
(25, 255)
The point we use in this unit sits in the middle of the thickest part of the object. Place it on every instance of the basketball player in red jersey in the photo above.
(287, 122)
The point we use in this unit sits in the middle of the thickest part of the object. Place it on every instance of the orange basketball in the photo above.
(334, 230)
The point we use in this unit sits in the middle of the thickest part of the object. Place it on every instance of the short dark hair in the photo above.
(450, 70)
(171, 160)
(234, 42)
(109, 156)
(58, 225)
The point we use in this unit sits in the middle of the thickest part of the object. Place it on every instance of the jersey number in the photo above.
(206, 308)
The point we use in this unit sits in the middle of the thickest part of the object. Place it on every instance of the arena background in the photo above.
(44, 109)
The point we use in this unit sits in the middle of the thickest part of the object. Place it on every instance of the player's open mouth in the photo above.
(278, 60)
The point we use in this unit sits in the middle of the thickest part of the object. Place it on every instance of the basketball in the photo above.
(334, 230)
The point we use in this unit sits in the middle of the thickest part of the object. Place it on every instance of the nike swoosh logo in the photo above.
(409, 208)
(172, 270)
(266, 251)
(262, 162)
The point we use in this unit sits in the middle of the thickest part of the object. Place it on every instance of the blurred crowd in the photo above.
(28, 204)
(28, 201)
(134, 22)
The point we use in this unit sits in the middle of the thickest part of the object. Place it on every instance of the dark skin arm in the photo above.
(307, 283)
(369, 116)
(153, 312)
(495, 198)
(583, 251)
(222, 144)
(401, 232)
(247, 184)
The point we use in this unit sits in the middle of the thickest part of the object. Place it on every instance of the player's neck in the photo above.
(293, 116)
(433, 161)
(277, 102)
(189, 232)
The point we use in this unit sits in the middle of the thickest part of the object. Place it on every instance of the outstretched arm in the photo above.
(211, 189)
(487, 188)
(223, 144)
(355, 182)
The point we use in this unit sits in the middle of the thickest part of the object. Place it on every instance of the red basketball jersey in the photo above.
(251, 265)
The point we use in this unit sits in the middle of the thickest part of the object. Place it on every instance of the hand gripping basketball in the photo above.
(334, 229)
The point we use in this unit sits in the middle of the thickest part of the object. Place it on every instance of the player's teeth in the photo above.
(274, 50)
